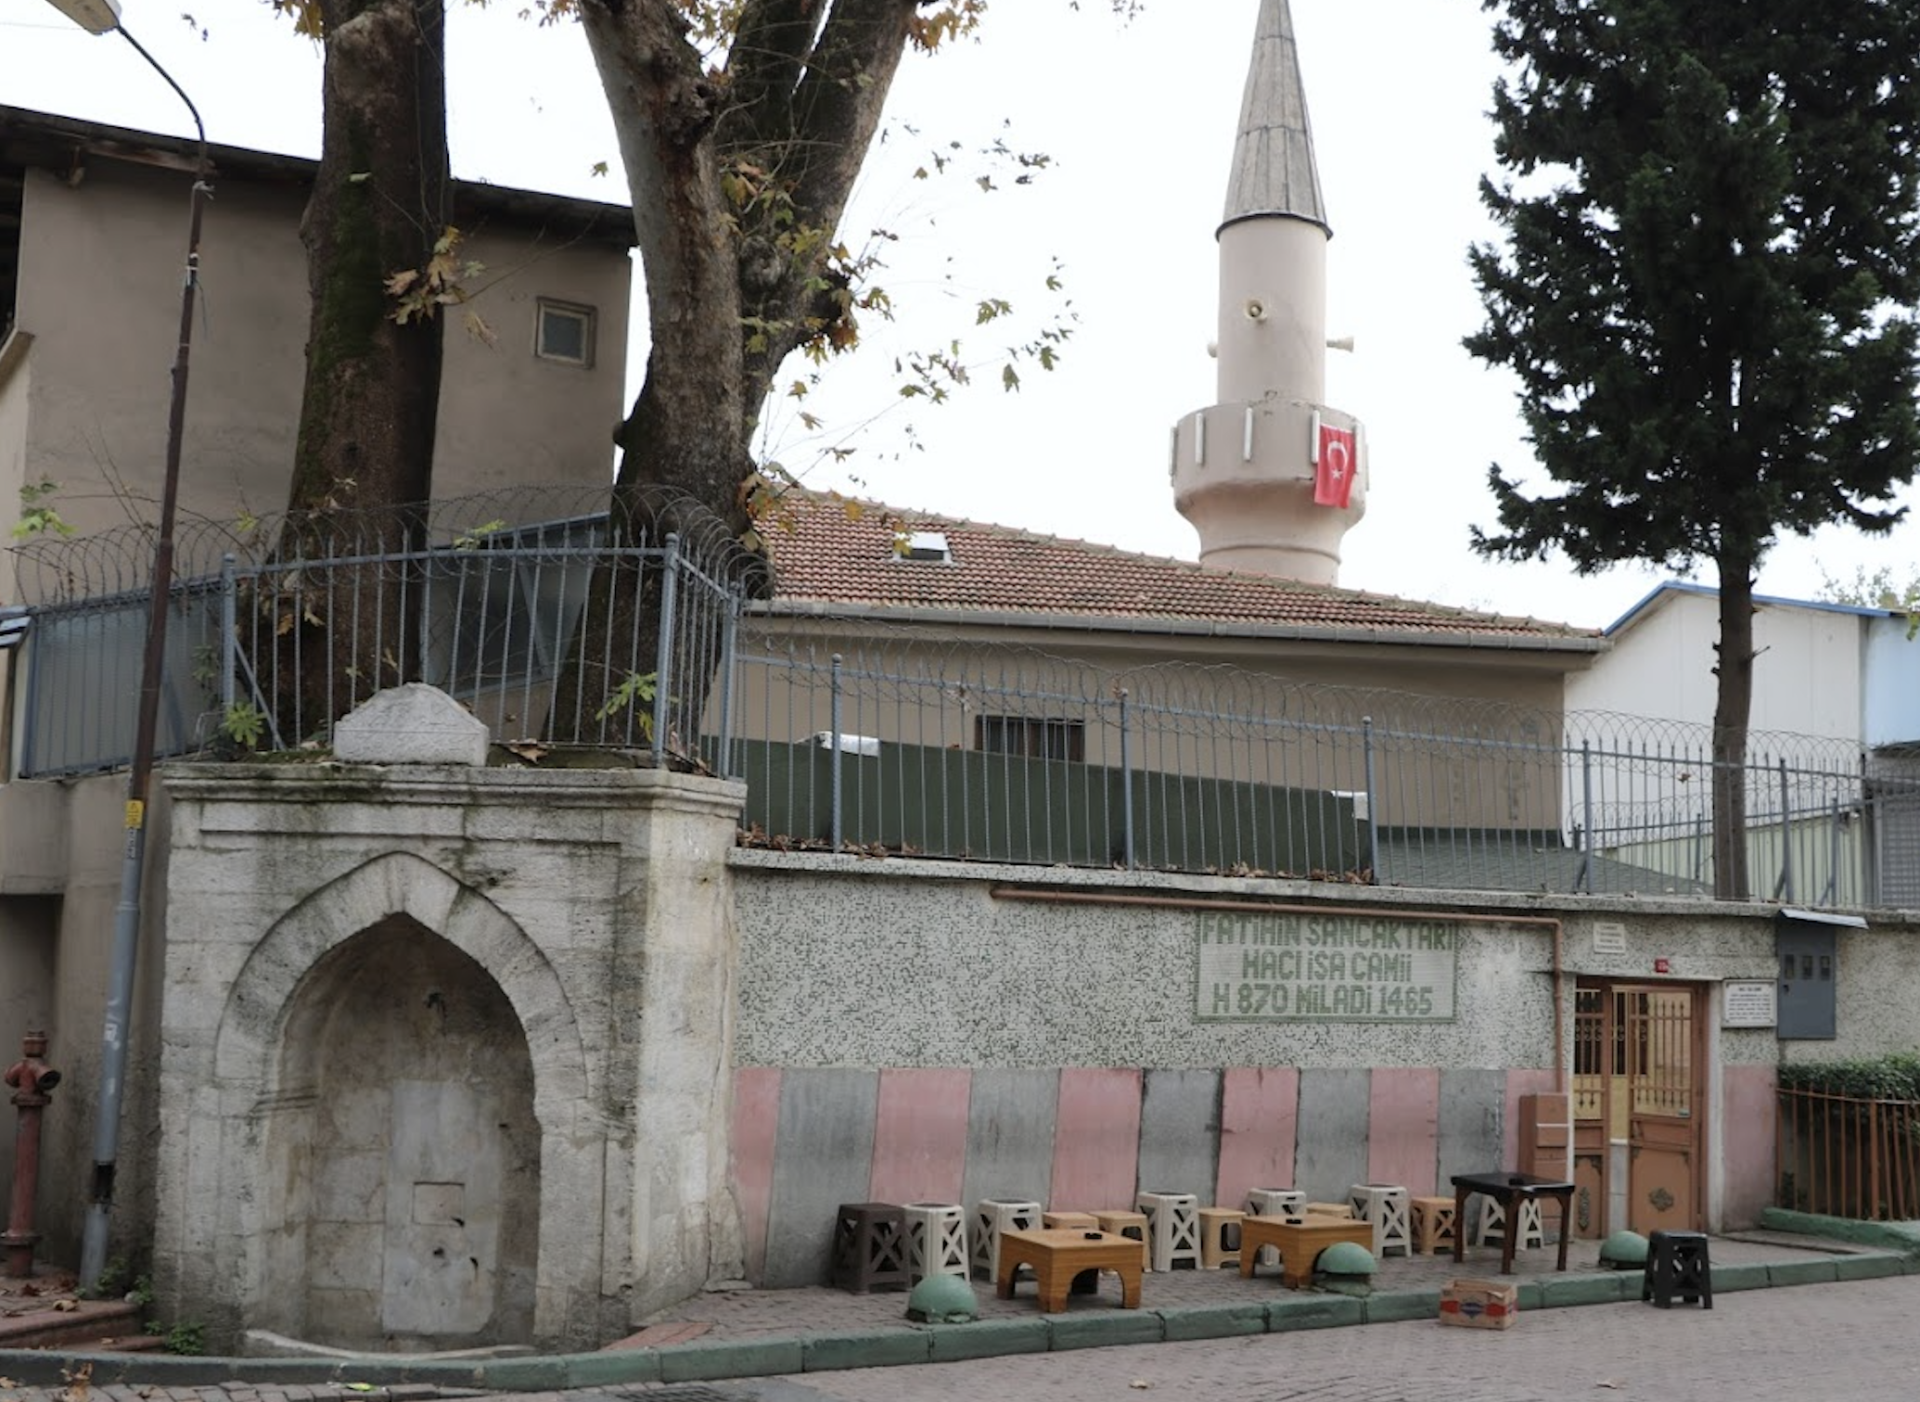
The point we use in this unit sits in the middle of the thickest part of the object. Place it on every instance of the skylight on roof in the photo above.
(925, 545)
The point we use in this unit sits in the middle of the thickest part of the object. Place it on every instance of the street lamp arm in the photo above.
(198, 126)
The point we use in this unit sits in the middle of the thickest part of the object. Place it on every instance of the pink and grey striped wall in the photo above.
(807, 1140)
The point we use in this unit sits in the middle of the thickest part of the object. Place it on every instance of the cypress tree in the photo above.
(1706, 290)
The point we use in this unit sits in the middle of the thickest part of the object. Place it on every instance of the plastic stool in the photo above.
(1433, 1224)
(1133, 1224)
(869, 1246)
(936, 1239)
(1384, 1206)
(1290, 1203)
(1677, 1265)
(1173, 1227)
(1493, 1223)
(1220, 1236)
(1276, 1202)
(992, 1216)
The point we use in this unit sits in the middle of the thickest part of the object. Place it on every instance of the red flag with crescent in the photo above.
(1333, 466)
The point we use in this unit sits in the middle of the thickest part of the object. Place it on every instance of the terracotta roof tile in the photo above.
(829, 551)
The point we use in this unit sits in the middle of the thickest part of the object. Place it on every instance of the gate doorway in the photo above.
(1639, 1103)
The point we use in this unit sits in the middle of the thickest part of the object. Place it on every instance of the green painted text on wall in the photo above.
(1286, 967)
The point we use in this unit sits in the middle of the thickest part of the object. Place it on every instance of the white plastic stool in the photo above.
(936, 1239)
(1384, 1205)
(1290, 1203)
(1493, 1223)
(1173, 1228)
(992, 1216)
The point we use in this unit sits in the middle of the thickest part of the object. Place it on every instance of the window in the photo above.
(563, 331)
(1036, 737)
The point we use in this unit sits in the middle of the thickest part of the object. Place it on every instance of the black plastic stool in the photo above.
(870, 1247)
(1677, 1265)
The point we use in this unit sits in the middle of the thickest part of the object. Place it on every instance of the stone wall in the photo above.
(445, 1051)
(917, 1030)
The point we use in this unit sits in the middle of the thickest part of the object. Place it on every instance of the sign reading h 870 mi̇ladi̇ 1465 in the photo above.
(1289, 967)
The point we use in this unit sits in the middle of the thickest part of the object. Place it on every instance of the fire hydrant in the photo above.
(31, 1079)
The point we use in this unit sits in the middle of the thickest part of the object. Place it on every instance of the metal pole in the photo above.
(729, 664)
(1786, 834)
(1584, 882)
(1126, 784)
(663, 657)
(833, 759)
(1373, 805)
(229, 631)
(126, 915)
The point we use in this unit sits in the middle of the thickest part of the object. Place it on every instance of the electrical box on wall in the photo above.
(1806, 946)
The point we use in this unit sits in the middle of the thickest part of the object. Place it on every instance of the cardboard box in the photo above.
(1479, 1304)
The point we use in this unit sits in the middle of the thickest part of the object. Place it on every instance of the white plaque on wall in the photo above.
(1749, 1002)
(1609, 938)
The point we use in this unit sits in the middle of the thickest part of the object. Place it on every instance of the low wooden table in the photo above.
(1299, 1243)
(1508, 1189)
(1058, 1256)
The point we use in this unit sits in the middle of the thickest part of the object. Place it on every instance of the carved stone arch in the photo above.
(305, 1236)
(399, 883)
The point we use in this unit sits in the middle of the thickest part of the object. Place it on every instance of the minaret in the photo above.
(1244, 471)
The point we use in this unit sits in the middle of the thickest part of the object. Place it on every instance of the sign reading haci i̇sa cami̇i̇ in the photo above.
(1323, 967)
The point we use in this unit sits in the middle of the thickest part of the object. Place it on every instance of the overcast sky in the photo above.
(1139, 121)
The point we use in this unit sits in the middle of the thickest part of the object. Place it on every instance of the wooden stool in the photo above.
(1493, 1223)
(1343, 1210)
(1086, 1282)
(1384, 1206)
(1173, 1228)
(1290, 1203)
(936, 1239)
(1133, 1224)
(1433, 1224)
(1071, 1221)
(1677, 1265)
(1299, 1243)
(1220, 1237)
(869, 1246)
(992, 1216)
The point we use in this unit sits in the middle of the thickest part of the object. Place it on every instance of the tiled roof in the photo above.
(828, 553)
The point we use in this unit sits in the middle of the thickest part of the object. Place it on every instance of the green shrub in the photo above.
(1894, 1077)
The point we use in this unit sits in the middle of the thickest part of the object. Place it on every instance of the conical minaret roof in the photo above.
(1273, 165)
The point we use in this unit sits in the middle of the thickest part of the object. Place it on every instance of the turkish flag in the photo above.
(1334, 464)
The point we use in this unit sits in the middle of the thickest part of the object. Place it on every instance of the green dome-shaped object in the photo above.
(943, 1299)
(1624, 1251)
(1345, 1258)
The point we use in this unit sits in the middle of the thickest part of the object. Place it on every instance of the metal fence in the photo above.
(1847, 1156)
(571, 631)
(910, 745)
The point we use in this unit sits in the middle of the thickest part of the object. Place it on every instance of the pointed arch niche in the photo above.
(393, 1149)
(402, 1154)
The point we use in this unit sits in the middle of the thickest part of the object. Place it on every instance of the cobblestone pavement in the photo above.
(738, 1314)
(1851, 1342)
(1828, 1343)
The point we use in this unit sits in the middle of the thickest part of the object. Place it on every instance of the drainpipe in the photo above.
(1544, 924)
(32, 1079)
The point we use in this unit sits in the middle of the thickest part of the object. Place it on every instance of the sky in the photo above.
(1137, 121)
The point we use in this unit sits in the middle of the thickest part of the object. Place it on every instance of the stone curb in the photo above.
(704, 1360)
(1903, 1237)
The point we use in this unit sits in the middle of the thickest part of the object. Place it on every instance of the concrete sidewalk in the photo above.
(757, 1333)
